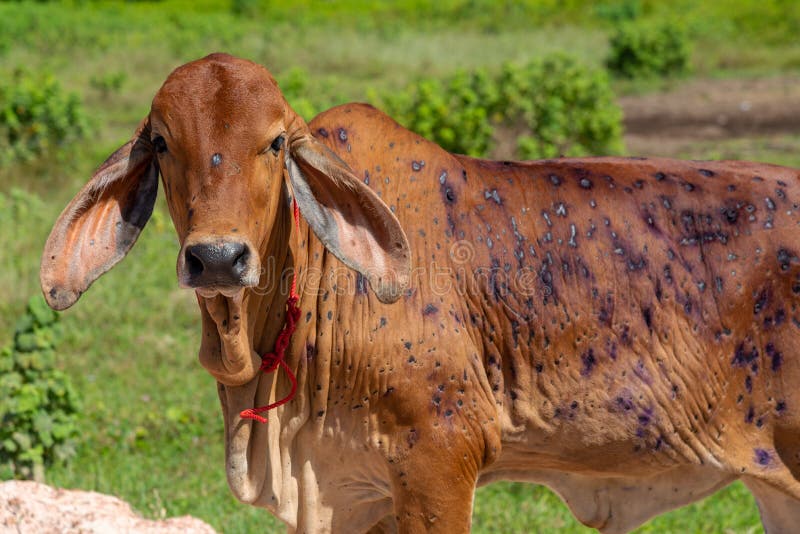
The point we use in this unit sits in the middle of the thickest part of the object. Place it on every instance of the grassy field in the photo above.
(152, 432)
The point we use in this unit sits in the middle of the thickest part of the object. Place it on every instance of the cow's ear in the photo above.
(98, 228)
(349, 218)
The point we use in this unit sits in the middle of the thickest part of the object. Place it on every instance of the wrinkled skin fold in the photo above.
(621, 330)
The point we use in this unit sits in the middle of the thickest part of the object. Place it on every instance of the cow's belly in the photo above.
(613, 503)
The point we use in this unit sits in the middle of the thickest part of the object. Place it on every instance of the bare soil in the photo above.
(683, 120)
(669, 123)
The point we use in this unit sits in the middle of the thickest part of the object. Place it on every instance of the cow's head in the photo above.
(226, 144)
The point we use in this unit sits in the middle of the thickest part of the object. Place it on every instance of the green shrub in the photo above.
(309, 96)
(108, 83)
(37, 117)
(649, 49)
(38, 406)
(451, 113)
(247, 8)
(294, 86)
(564, 106)
(620, 11)
(568, 108)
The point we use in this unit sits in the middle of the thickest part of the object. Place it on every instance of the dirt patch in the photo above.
(672, 123)
(664, 124)
(33, 507)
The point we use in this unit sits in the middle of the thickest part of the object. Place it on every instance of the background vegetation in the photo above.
(76, 77)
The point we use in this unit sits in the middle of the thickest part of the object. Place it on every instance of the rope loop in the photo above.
(272, 360)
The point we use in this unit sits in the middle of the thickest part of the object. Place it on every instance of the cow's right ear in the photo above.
(101, 224)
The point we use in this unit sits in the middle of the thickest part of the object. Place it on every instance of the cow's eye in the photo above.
(159, 144)
(277, 143)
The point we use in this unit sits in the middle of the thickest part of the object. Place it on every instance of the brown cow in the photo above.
(621, 330)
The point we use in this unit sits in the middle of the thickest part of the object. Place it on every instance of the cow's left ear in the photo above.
(349, 218)
(98, 228)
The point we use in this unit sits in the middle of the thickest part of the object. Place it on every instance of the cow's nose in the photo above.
(217, 264)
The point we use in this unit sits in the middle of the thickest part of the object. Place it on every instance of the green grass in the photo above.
(519, 508)
(152, 427)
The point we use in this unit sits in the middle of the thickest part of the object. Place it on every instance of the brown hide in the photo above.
(618, 329)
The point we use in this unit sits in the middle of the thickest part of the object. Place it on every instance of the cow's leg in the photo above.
(780, 511)
(433, 491)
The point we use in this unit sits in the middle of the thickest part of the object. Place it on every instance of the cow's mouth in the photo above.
(231, 292)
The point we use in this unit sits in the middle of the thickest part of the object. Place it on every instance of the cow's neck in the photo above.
(258, 465)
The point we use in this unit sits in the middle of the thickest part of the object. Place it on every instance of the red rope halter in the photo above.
(272, 360)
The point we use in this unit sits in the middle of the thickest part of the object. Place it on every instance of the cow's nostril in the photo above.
(193, 263)
(240, 263)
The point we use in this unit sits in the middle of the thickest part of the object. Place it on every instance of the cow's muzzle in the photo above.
(218, 265)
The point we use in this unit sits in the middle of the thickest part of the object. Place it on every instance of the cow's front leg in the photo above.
(433, 489)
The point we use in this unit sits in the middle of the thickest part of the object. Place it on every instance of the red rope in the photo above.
(272, 360)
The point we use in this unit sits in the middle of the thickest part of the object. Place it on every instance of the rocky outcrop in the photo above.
(32, 507)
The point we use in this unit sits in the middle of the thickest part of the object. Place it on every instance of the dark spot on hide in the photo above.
(761, 302)
(412, 438)
(429, 310)
(730, 214)
(323, 132)
(745, 354)
(589, 361)
(785, 258)
(647, 314)
(748, 418)
(762, 457)
(361, 284)
(776, 358)
(641, 372)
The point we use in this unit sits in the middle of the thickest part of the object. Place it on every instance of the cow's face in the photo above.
(230, 151)
(221, 154)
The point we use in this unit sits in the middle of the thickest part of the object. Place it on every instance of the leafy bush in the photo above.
(247, 8)
(451, 113)
(294, 86)
(566, 108)
(308, 96)
(24, 219)
(38, 406)
(649, 49)
(37, 116)
(109, 82)
(621, 11)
